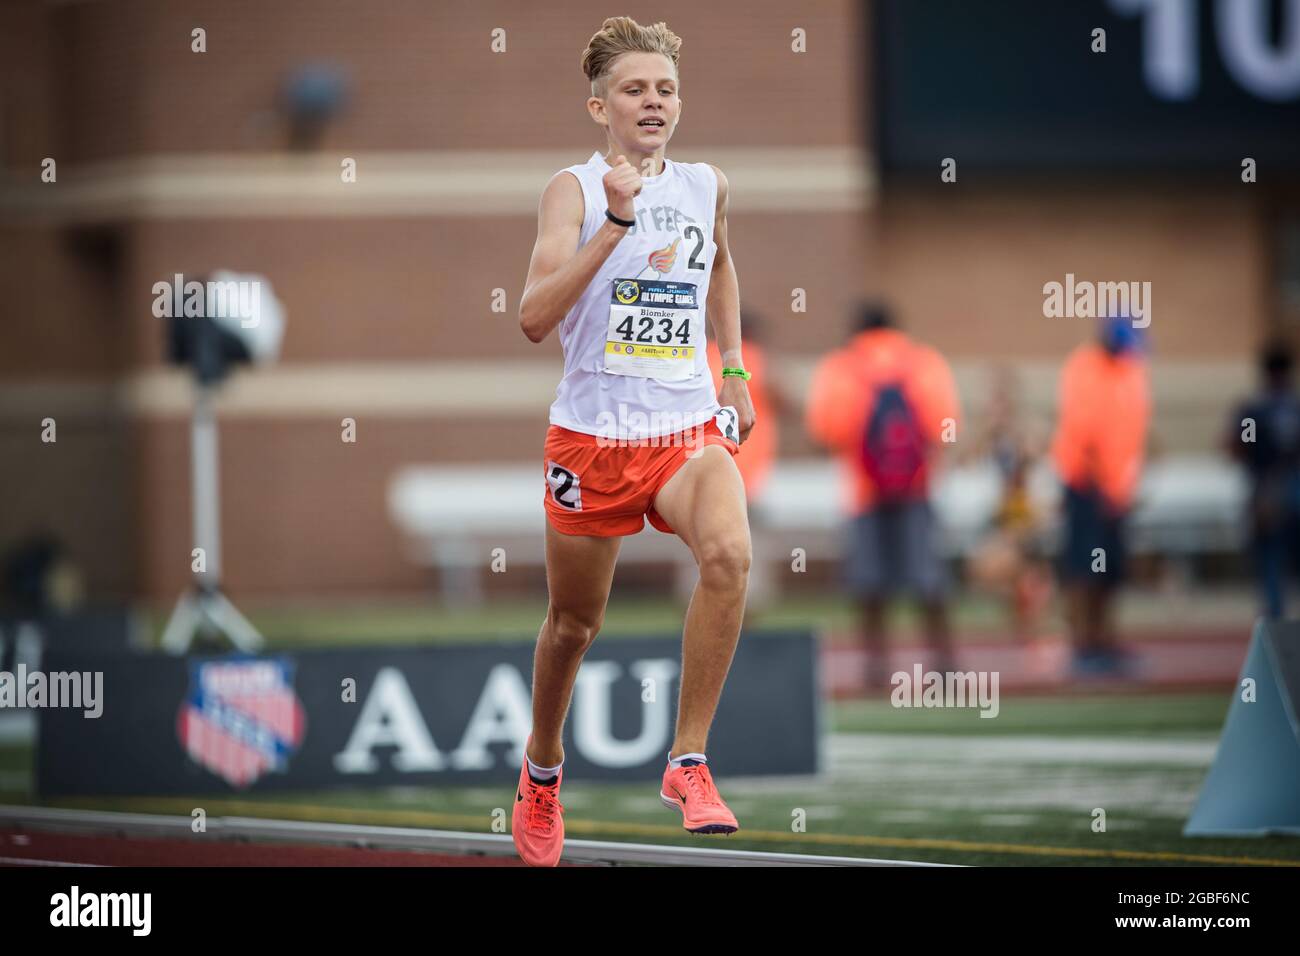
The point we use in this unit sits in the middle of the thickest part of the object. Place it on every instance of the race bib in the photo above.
(654, 329)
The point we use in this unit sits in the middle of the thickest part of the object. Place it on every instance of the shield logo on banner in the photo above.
(241, 718)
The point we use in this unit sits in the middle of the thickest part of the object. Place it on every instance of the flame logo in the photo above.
(661, 260)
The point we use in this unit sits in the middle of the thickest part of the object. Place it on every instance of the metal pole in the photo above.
(204, 463)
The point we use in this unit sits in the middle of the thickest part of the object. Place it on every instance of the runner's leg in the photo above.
(579, 572)
(704, 503)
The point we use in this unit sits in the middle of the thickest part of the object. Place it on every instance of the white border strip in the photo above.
(498, 388)
(407, 838)
(421, 184)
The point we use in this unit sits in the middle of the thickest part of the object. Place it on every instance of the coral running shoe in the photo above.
(537, 823)
(689, 788)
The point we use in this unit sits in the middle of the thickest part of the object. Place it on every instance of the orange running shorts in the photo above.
(595, 486)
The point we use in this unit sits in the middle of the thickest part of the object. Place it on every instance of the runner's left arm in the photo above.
(723, 308)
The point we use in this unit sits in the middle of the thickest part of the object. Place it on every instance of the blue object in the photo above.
(1119, 335)
(316, 91)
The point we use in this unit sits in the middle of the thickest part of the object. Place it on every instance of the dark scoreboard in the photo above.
(1017, 84)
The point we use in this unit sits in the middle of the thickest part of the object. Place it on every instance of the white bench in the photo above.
(454, 516)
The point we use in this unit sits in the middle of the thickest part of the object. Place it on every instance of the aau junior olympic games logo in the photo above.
(627, 291)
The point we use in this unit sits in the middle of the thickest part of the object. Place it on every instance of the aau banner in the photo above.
(418, 716)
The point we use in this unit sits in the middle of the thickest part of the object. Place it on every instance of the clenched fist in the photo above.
(622, 185)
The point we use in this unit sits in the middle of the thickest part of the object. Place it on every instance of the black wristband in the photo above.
(628, 223)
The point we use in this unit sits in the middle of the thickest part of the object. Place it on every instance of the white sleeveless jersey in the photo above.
(635, 363)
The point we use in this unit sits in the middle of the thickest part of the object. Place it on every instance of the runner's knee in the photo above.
(573, 631)
(724, 561)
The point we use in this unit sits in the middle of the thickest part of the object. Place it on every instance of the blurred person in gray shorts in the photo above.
(886, 405)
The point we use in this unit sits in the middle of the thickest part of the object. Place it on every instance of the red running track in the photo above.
(1211, 658)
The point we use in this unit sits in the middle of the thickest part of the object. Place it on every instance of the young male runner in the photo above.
(631, 255)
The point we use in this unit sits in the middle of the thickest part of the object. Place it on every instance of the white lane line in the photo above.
(26, 861)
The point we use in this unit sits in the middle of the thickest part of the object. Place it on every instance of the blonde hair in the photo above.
(619, 35)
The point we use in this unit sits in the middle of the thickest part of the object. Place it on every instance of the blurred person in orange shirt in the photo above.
(757, 454)
(1103, 416)
(886, 404)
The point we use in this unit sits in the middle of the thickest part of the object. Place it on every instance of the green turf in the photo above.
(973, 617)
(1065, 715)
(1016, 790)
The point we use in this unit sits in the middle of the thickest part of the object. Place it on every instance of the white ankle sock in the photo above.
(542, 773)
(676, 762)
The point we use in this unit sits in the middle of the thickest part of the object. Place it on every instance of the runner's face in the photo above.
(642, 89)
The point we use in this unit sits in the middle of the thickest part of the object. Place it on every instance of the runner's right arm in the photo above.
(556, 276)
